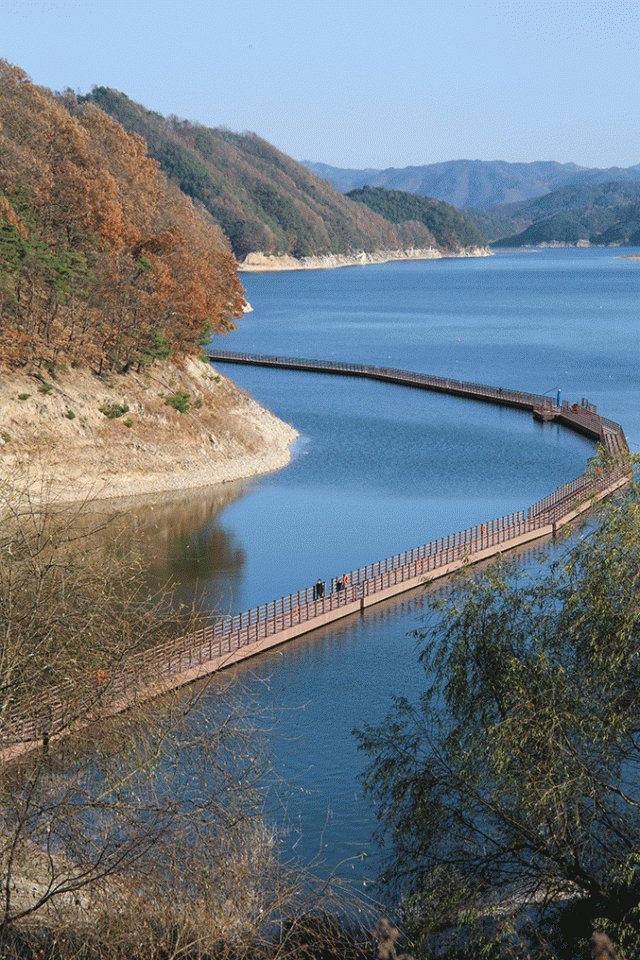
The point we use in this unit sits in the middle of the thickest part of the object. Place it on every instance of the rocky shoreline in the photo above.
(74, 436)
(67, 435)
(262, 262)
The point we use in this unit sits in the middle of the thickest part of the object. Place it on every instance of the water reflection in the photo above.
(177, 540)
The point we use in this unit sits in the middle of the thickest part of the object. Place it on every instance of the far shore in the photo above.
(264, 262)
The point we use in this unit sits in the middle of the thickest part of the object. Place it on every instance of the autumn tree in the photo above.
(141, 832)
(100, 259)
(144, 827)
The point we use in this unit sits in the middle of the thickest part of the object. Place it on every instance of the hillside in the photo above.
(73, 436)
(102, 261)
(475, 184)
(442, 221)
(110, 282)
(263, 201)
(599, 214)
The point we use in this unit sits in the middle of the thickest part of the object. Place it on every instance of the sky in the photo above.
(359, 84)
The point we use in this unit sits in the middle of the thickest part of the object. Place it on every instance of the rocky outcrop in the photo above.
(74, 436)
(257, 262)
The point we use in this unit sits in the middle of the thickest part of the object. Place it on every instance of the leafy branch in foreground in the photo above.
(159, 805)
(509, 793)
(141, 835)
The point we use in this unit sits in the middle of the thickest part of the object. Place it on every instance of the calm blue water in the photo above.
(534, 320)
(379, 469)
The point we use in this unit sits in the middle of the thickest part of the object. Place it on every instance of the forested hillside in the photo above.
(102, 261)
(262, 199)
(444, 222)
(598, 214)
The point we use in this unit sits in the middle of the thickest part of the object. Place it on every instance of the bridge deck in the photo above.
(232, 639)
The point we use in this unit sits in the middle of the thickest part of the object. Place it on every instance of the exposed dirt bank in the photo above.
(260, 262)
(56, 439)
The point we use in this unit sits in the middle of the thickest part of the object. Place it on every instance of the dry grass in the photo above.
(53, 434)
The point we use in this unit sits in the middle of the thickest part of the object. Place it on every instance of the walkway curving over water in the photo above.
(231, 639)
(583, 417)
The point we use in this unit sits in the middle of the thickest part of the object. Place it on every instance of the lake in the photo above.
(379, 469)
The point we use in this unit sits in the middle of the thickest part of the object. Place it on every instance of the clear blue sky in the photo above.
(359, 84)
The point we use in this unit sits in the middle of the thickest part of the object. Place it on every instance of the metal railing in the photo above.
(170, 664)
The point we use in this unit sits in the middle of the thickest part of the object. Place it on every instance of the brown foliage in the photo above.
(261, 198)
(101, 261)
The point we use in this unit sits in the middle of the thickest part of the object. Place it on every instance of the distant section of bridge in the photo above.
(228, 640)
(582, 417)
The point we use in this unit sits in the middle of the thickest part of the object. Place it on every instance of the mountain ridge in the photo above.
(594, 214)
(475, 184)
(263, 200)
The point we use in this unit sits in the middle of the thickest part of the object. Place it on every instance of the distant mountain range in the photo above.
(476, 184)
(600, 214)
(519, 204)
